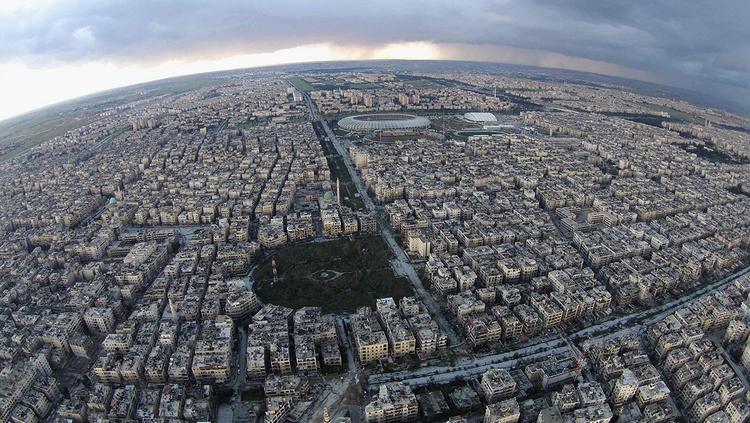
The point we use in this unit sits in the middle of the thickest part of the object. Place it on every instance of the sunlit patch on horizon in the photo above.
(421, 50)
(32, 87)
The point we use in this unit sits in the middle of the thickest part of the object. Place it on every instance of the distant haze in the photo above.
(52, 50)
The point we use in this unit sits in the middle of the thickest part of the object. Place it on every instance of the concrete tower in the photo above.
(173, 310)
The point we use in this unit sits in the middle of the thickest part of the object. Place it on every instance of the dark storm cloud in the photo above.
(679, 41)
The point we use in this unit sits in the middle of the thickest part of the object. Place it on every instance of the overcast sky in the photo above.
(51, 50)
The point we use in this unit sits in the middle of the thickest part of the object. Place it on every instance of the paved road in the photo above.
(239, 382)
(337, 386)
(468, 367)
(472, 367)
(346, 343)
(221, 127)
(401, 262)
(240, 413)
(737, 370)
(654, 314)
(91, 217)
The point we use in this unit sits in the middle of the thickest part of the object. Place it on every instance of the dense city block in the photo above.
(379, 245)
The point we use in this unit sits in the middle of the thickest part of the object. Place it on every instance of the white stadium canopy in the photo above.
(480, 117)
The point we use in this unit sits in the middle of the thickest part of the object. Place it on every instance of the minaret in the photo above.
(338, 191)
(173, 310)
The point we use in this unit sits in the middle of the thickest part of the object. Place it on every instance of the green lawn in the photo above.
(301, 84)
(340, 172)
(34, 128)
(358, 273)
(37, 132)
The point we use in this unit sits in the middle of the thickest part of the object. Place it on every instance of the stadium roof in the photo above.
(374, 122)
(480, 117)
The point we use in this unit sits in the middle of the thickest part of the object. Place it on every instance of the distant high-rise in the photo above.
(141, 123)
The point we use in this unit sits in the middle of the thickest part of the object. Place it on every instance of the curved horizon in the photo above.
(262, 67)
(58, 50)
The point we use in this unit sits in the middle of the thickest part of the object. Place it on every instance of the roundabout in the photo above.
(324, 275)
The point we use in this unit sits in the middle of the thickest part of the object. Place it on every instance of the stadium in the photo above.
(381, 122)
